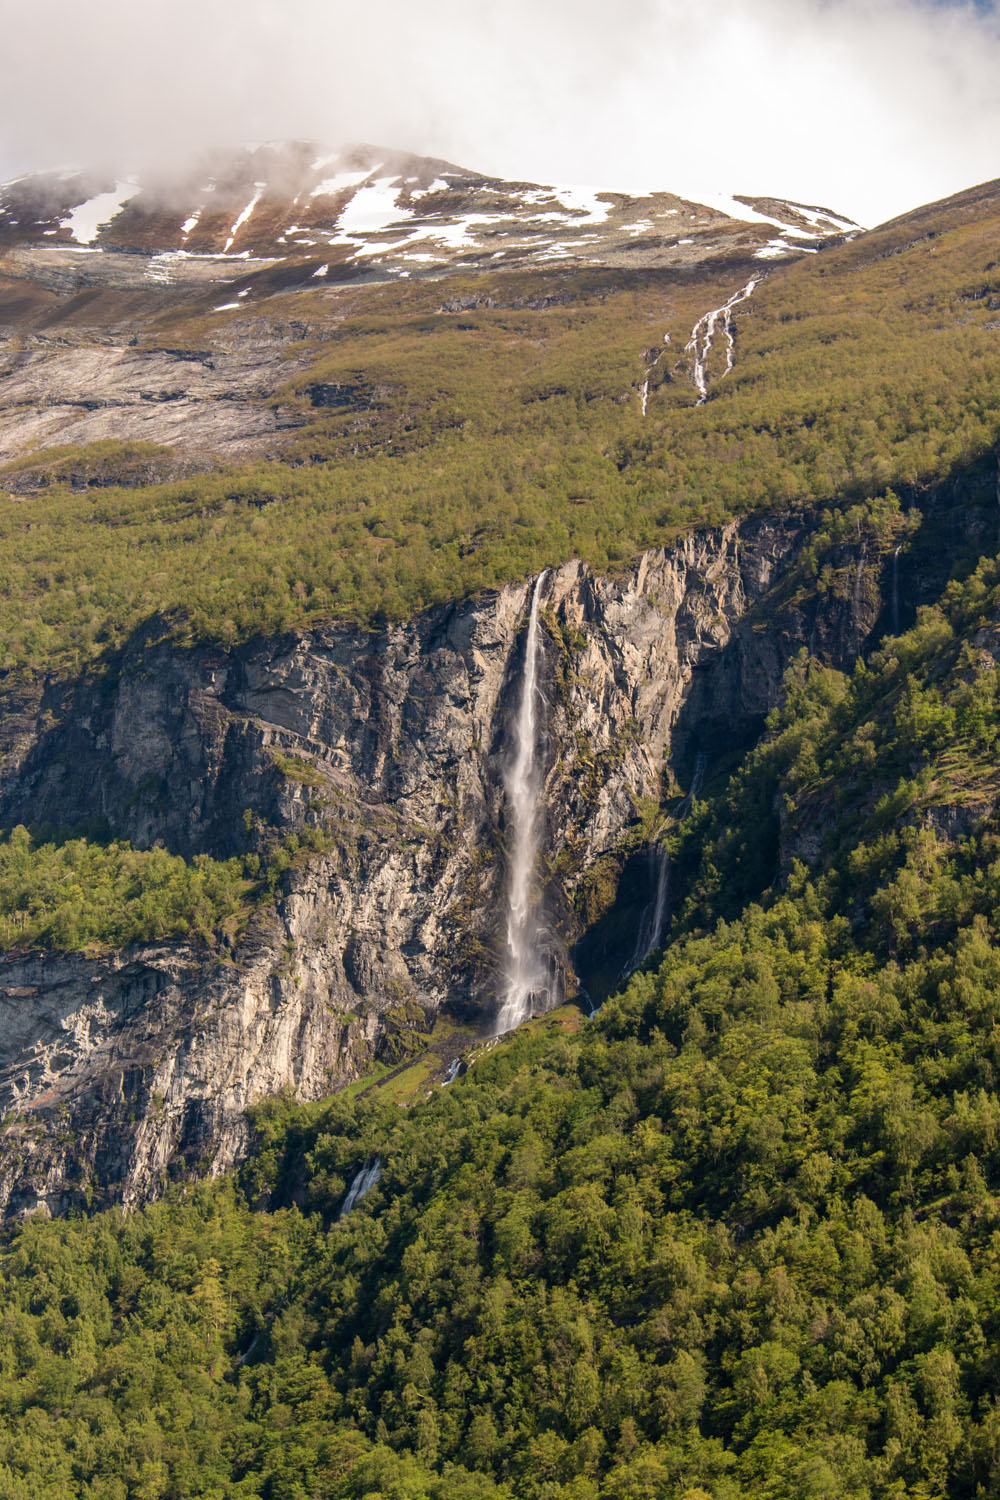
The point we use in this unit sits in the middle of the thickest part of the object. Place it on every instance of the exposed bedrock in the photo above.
(120, 1072)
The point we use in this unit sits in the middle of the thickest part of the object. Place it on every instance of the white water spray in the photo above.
(650, 934)
(644, 388)
(362, 1184)
(703, 332)
(895, 589)
(647, 939)
(529, 984)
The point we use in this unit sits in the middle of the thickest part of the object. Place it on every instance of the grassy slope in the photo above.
(499, 438)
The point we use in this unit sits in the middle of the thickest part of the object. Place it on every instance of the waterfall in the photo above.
(895, 589)
(644, 388)
(362, 1184)
(527, 977)
(697, 778)
(651, 923)
(700, 343)
(650, 934)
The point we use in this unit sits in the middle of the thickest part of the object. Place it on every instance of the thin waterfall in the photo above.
(362, 1184)
(651, 923)
(895, 589)
(697, 778)
(650, 934)
(700, 343)
(644, 388)
(527, 977)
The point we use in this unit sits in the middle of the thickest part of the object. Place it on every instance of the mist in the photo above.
(869, 108)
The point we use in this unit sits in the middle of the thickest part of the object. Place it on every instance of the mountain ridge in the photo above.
(363, 209)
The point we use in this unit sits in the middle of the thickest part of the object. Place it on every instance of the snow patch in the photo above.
(725, 203)
(583, 201)
(86, 218)
(821, 218)
(781, 247)
(258, 195)
(372, 208)
(330, 186)
(456, 234)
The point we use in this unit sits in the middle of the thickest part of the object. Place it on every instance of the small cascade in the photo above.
(650, 934)
(895, 589)
(362, 1184)
(697, 779)
(529, 983)
(644, 388)
(703, 332)
(858, 577)
(647, 939)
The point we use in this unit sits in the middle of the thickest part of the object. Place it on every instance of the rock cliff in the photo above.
(119, 1072)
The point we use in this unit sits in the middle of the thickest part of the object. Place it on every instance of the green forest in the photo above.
(72, 893)
(736, 1236)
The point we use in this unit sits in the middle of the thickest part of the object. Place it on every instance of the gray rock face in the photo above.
(120, 1072)
(83, 391)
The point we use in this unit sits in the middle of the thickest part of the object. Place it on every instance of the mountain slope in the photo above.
(173, 681)
(864, 366)
(735, 1236)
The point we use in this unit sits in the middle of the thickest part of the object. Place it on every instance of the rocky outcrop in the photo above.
(124, 1072)
(118, 1072)
(80, 391)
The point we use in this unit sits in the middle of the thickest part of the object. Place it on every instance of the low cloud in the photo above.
(870, 108)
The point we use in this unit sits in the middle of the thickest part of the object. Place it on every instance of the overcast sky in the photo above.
(869, 106)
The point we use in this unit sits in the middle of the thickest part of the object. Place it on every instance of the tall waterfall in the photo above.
(527, 976)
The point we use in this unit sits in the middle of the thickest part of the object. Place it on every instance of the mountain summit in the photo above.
(365, 210)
